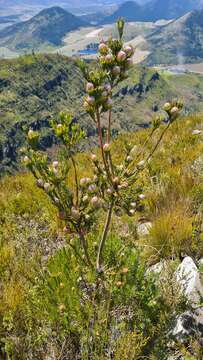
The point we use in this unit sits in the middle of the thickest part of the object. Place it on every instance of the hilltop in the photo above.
(179, 41)
(47, 28)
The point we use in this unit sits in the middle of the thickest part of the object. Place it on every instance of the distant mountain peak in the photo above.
(179, 41)
(48, 27)
(153, 10)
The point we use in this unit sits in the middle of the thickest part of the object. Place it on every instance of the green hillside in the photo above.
(45, 29)
(35, 88)
(181, 41)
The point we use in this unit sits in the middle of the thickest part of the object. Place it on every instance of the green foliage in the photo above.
(74, 284)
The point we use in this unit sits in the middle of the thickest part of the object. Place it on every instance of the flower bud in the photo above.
(95, 178)
(94, 157)
(141, 164)
(26, 160)
(89, 87)
(47, 187)
(40, 183)
(95, 201)
(133, 205)
(108, 88)
(116, 70)
(174, 110)
(56, 200)
(109, 191)
(31, 133)
(109, 59)
(55, 164)
(92, 188)
(85, 198)
(121, 56)
(116, 180)
(129, 158)
(132, 212)
(90, 100)
(75, 213)
(87, 217)
(107, 147)
(61, 285)
(141, 196)
(103, 48)
(83, 182)
(104, 94)
(167, 106)
(128, 49)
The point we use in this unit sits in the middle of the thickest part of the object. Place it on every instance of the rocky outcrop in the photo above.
(140, 88)
(188, 276)
(144, 229)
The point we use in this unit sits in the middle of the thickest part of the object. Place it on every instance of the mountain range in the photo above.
(46, 28)
(153, 10)
(180, 41)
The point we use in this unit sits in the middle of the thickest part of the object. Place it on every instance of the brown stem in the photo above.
(104, 236)
(158, 142)
(77, 254)
(101, 146)
(76, 180)
(109, 127)
(154, 149)
(143, 146)
(145, 143)
(85, 248)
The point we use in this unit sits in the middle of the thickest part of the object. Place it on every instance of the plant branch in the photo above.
(76, 180)
(158, 142)
(108, 138)
(101, 145)
(85, 248)
(153, 150)
(104, 236)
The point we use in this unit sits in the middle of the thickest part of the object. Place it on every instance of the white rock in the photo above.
(188, 276)
(157, 268)
(144, 229)
(197, 132)
(201, 262)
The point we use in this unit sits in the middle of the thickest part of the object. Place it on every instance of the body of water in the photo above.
(87, 52)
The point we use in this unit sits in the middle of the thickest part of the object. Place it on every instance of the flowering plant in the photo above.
(113, 187)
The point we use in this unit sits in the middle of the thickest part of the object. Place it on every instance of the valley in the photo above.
(34, 88)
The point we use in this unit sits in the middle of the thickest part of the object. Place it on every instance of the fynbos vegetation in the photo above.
(92, 297)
